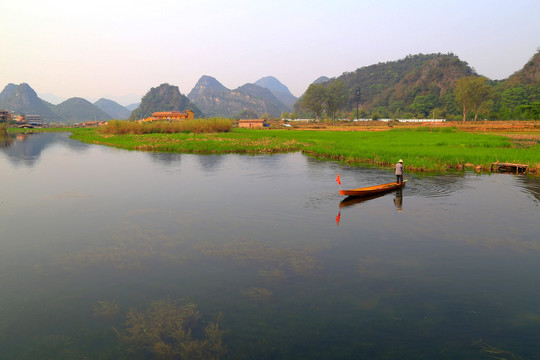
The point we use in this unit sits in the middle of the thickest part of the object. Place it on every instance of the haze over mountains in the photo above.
(387, 87)
(214, 99)
(208, 98)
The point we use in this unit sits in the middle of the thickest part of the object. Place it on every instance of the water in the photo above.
(446, 268)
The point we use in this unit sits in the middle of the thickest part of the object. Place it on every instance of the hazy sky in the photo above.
(115, 48)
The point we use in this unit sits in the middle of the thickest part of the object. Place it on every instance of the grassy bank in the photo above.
(422, 148)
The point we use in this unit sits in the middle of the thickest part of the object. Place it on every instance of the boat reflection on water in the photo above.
(354, 200)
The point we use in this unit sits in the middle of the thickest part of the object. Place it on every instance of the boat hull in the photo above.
(372, 190)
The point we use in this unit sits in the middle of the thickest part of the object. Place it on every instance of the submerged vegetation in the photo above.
(172, 330)
(106, 310)
(424, 148)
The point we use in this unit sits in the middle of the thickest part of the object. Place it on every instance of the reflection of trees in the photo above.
(5, 141)
(165, 158)
(210, 163)
(27, 148)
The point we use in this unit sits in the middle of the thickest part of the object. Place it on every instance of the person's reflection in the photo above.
(398, 200)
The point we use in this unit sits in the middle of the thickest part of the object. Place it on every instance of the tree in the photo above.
(423, 104)
(471, 93)
(511, 100)
(336, 97)
(314, 99)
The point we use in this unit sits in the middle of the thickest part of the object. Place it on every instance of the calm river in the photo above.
(102, 250)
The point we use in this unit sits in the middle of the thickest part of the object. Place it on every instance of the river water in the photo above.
(448, 267)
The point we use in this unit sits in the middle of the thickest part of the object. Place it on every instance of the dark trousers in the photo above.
(399, 179)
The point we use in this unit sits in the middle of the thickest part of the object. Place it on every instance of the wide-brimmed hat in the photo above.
(400, 160)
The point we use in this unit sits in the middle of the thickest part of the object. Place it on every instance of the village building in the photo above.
(93, 123)
(252, 123)
(18, 118)
(5, 116)
(171, 116)
(34, 120)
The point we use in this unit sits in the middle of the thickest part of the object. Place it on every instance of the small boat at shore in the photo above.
(372, 190)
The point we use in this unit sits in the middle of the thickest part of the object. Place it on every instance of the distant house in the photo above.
(19, 118)
(252, 123)
(4, 115)
(170, 116)
(34, 120)
(93, 123)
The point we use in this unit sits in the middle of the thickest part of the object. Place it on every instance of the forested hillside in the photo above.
(422, 86)
(518, 97)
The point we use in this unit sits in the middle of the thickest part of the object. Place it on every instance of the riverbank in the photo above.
(424, 148)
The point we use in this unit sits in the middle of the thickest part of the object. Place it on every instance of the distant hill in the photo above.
(518, 97)
(214, 99)
(112, 108)
(163, 98)
(8, 91)
(262, 98)
(424, 85)
(392, 87)
(396, 84)
(78, 109)
(132, 107)
(23, 99)
(280, 91)
(529, 74)
(321, 79)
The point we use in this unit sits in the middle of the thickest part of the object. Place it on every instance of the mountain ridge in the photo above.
(113, 109)
(280, 91)
(77, 109)
(22, 98)
(215, 99)
(415, 82)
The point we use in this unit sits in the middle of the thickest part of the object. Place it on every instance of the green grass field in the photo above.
(422, 148)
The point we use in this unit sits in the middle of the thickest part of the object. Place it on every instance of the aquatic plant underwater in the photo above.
(172, 330)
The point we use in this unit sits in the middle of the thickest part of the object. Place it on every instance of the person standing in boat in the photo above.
(399, 171)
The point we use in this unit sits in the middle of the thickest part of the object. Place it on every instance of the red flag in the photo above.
(338, 179)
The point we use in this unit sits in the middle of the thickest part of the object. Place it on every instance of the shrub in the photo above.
(117, 127)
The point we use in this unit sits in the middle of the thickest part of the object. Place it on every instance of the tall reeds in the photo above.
(213, 125)
(3, 130)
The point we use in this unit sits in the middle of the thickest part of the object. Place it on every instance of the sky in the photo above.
(121, 49)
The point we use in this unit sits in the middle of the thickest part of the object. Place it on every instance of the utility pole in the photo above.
(357, 99)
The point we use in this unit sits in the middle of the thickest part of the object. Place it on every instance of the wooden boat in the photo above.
(372, 190)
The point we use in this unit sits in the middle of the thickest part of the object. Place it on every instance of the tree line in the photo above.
(472, 98)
